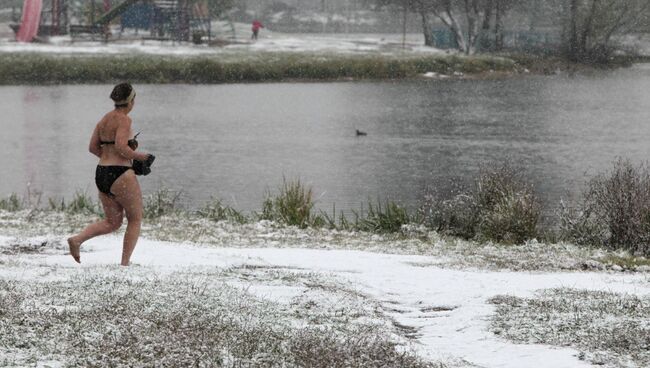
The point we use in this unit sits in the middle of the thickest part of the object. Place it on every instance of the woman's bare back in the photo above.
(113, 126)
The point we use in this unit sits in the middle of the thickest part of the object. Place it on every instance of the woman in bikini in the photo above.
(116, 180)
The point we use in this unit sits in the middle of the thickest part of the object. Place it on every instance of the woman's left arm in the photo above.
(95, 147)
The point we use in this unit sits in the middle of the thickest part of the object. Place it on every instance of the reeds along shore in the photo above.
(500, 206)
(25, 68)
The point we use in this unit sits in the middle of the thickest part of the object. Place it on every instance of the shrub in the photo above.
(217, 211)
(501, 206)
(614, 210)
(161, 203)
(507, 205)
(512, 220)
(457, 216)
(292, 206)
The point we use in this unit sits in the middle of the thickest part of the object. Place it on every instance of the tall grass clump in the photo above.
(11, 203)
(215, 210)
(81, 203)
(614, 210)
(162, 202)
(291, 206)
(388, 218)
(501, 206)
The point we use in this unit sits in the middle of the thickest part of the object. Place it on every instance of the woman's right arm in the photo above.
(122, 141)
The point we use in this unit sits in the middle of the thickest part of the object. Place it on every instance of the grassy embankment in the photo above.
(28, 68)
(551, 64)
(476, 226)
(36, 68)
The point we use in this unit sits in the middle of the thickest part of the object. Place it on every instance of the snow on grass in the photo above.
(447, 252)
(441, 313)
(610, 329)
(102, 315)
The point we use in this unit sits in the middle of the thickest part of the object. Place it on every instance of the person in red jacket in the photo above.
(256, 29)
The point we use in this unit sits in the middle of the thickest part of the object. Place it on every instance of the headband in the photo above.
(128, 99)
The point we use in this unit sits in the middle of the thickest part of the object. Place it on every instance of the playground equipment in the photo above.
(31, 19)
(178, 20)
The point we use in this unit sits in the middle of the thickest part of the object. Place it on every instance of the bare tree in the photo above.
(465, 19)
(591, 26)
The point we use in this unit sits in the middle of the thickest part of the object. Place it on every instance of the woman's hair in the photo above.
(120, 93)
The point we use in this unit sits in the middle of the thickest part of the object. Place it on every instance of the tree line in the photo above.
(588, 29)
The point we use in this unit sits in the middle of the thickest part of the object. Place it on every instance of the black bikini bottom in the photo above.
(105, 176)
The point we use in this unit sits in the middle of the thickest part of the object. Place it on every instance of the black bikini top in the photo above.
(133, 143)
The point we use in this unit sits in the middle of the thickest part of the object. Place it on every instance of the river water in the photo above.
(237, 142)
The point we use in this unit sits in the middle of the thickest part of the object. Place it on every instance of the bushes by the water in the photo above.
(614, 210)
(501, 207)
(508, 208)
(44, 69)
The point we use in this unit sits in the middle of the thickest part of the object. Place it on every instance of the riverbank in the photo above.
(549, 64)
(28, 68)
(449, 252)
(37, 68)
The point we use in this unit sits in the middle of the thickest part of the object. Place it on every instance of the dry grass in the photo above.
(111, 319)
(609, 328)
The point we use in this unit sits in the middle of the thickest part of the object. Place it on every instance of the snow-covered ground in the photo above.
(444, 311)
(239, 39)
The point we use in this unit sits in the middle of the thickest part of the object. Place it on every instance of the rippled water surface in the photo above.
(238, 141)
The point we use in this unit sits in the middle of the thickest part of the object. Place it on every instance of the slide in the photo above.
(31, 19)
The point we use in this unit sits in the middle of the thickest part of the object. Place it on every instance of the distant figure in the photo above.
(360, 133)
(256, 29)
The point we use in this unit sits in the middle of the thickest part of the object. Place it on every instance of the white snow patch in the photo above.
(446, 309)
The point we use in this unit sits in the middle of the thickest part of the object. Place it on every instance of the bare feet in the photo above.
(74, 250)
